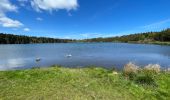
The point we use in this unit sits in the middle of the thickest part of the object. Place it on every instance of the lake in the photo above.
(22, 56)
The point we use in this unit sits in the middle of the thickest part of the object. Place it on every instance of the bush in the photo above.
(152, 68)
(147, 74)
(142, 76)
(130, 71)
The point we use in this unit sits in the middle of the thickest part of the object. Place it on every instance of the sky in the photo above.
(80, 19)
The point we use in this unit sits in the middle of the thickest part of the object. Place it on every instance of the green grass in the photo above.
(154, 42)
(57, 83)
(160, 43)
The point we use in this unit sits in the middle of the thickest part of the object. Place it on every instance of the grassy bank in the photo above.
(160, 43)
(79, 84)
(150, 42)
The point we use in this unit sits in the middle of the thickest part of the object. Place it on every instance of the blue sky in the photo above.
(83, 18)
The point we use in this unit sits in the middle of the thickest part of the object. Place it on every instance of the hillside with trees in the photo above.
(148, 37)
(162, 37)
(21, 39)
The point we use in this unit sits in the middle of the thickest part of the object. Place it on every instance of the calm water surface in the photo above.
(83, 54)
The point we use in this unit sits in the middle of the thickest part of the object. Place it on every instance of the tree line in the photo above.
(21, 39)
(163, 36)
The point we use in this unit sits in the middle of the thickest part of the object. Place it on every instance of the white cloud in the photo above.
(26, 29)
(50, 5)
(6, 6)
(7, 22)
(89, 35)
(103, 35)
(22, 2)
(157, 25)
(39, 19)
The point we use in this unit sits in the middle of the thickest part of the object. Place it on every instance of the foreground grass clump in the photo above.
(79, 84)
(144, 76)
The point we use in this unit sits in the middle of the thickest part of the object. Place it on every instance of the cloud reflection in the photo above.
(12, 64)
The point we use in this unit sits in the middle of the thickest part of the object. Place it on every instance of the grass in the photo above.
(160, 43)
(150, 42)
(79, 84)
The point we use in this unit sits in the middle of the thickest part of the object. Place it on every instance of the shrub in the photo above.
(147, 74)
(141, 76)
(152, 68)
(130, 70)
(167, 70)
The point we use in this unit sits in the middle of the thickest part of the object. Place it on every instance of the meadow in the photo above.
(91, 83)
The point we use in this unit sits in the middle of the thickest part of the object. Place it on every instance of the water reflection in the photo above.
(83, 54)
(12, 64)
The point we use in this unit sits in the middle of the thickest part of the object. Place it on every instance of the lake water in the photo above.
(83, 54)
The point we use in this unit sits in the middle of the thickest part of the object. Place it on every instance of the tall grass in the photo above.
(130, 70)
(154, 68)
(145, 76)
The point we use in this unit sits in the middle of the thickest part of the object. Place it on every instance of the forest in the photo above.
(21, 39)
(148, 37)
(163, 36)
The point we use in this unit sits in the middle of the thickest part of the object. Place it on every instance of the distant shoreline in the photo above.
(129, 42)
(155, 42)
(160, 38)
